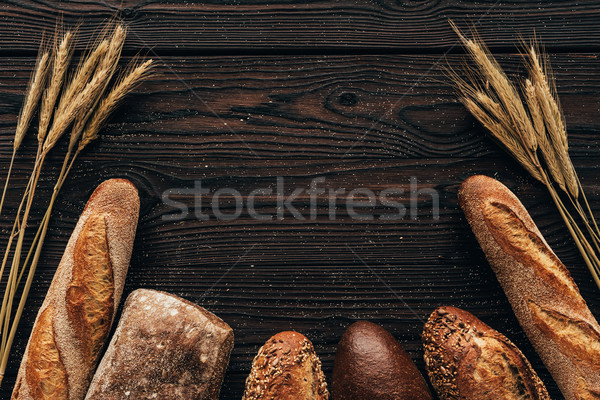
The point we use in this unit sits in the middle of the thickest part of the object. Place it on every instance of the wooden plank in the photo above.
(241, 122)
(370, 107)
(345, 25)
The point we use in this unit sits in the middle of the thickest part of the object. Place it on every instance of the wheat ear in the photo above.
(34, 93)
(85, 99)
(527, 126)
(504, 90)
(32, 99)
(554, 119)
(127, 83)
(108, 63)
(60, 64)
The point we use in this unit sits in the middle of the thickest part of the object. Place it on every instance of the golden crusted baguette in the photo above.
(286, 368)
(74, 321)
(539, 287)
(466, 359)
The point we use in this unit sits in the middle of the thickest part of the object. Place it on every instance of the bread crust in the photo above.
(540, 289)
(371, 364)
(77, 312)
(286, 368)
(164, 347)
(466, 359)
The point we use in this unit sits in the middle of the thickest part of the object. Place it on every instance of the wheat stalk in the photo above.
(126, 84)
(60, 64)
(62, 118)
(531, 127)
(108, 64)
(62, 53)
(83, 105)
(32, 99)
(34, 92)
(491, 71)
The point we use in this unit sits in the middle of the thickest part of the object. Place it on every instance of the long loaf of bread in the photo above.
(539, 287)
(74, 321)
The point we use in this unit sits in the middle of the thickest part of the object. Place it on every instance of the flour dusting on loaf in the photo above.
(164, 347)
(541, 291)
(74, 320)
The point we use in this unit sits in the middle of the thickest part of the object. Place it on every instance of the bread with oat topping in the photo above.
(286, 368)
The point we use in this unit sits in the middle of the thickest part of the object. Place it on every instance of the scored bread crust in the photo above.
(286, 368)
(466, 359)
(103, 237)
(544, 297)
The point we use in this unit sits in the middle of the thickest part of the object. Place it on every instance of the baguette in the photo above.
(540, 289)
(466, 359)
(286, 368)
(166, 348)
(74, 321)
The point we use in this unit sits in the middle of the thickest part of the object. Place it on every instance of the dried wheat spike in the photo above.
(34, 93)
(125, 85)
(60, 64)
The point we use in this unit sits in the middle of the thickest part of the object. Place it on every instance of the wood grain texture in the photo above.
(342, 25)
(367, 107)
(362, 121)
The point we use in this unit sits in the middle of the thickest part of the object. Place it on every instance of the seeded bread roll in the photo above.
(466, 359)
(76, 316)
(539, 287)
(163, 348)
(286, 368)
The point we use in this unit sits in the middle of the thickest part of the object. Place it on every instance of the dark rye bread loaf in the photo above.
(539, 287)
(164, 348)
(74, 321)
(286, 368)
(466, 359)
(371, 364)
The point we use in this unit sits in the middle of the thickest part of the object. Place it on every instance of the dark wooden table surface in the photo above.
(351, 92)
